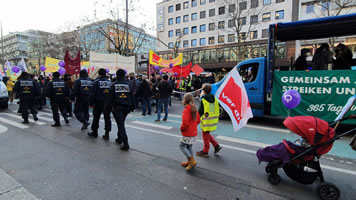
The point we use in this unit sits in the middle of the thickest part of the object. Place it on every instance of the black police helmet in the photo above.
(120, 73)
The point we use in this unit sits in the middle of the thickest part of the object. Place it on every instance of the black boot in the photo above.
(35, 117)
(56, 124)
(125, 147)
(85, 126)
(106, 135)
(118, 140)
(66, 121)
(93, 134)
(25, 121)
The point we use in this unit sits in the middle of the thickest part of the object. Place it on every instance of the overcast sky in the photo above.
(55, 15)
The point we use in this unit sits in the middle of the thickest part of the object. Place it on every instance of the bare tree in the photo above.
(115, 31)
(243, 20)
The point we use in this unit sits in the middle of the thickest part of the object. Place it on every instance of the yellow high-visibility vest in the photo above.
(209, 120)
(182, 85)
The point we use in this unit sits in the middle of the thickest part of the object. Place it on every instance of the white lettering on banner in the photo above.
(26, 83)
(345, 91)
(104, 84)
(313, 80)
(122, 88)
(58, 84)
(235, 111)
(85, 83)
(308, 90)
(327, 107)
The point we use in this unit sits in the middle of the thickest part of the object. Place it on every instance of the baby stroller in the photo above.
(300, 160)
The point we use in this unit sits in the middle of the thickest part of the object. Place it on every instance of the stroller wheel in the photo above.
(274, 179)
(328, 191)
(270, 170)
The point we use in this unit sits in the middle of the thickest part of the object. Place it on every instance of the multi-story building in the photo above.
(311, 9)
(219, 34)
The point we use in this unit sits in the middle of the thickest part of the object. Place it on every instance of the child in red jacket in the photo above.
(190, 120)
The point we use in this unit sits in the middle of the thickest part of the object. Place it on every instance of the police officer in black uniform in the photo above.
(120, 100)
(81, 93)
(97, 97)
(27, 90)
(58, 92)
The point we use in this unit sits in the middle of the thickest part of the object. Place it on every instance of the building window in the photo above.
(242, 36)
(178, 7)
(231, 23)
(202, 28)
(186, 31)
(232, 8)
(221, 39)
(242, 21)
(185, 43)
(185, 18)
(170, 33)
(221, 25)
(310, 8)
(222, 10)
(193, 43)
(202, 41)
(266, 2)
(253, 35)
(280, 14)
(231, 38)
(212, 12)
(254, 3)
(170, 9)
(243, 5)
(194, 16)
(211, 26)
(254, 19)
(211, 40)
(178, 44)
(266, 17)
(202, 14)
(170, 45)
(178, 32)
(178, 20)
(325, 5)
(211, 1)
(170, 21)
(279, 1)
(264, 33)
(186, 5)
(194, 29)
(194, 3)
(202, 2)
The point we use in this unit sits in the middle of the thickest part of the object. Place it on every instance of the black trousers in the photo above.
(81, 110)
(120, 113)
(59, 105)
(97, 111)
(25, 104)
(69, 107)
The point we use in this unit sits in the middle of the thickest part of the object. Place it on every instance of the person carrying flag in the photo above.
(209, 112)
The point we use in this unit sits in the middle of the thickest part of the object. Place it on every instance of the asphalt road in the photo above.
(64, 163)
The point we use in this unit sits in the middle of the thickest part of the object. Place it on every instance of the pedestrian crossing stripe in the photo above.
(18, 125)
(19, 117)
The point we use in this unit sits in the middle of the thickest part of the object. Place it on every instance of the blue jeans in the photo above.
(186, 149)
(163, 102)
(146, 102)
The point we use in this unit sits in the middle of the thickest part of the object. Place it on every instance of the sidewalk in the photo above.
(10, 189)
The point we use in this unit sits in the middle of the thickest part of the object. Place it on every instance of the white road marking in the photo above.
(46, 109)
(236, 140)
(268, 129)
(18, 125)
(176, 116)
(19, 117)
(46, 118)
(345, 171)
(175, 121)
(152, 125)
(3, 129)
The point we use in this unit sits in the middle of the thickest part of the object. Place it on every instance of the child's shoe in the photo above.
(191, 163)
(202, 154)
(184, 164)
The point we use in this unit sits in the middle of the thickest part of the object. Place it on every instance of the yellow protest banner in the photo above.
(155, 59)
(51, 64)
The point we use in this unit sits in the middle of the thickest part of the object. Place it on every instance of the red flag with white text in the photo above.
(233, 98)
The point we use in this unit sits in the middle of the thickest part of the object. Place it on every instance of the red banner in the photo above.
(182, 71)
(72, 64)
(197, 69)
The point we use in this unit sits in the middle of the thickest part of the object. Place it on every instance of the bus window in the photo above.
(248, 72)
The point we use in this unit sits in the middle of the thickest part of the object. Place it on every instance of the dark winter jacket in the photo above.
(164, 89)
(144, 89)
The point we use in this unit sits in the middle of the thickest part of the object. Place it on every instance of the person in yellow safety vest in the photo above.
(182, 88)
(10, 85)
(209, 112)
(189, 84)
